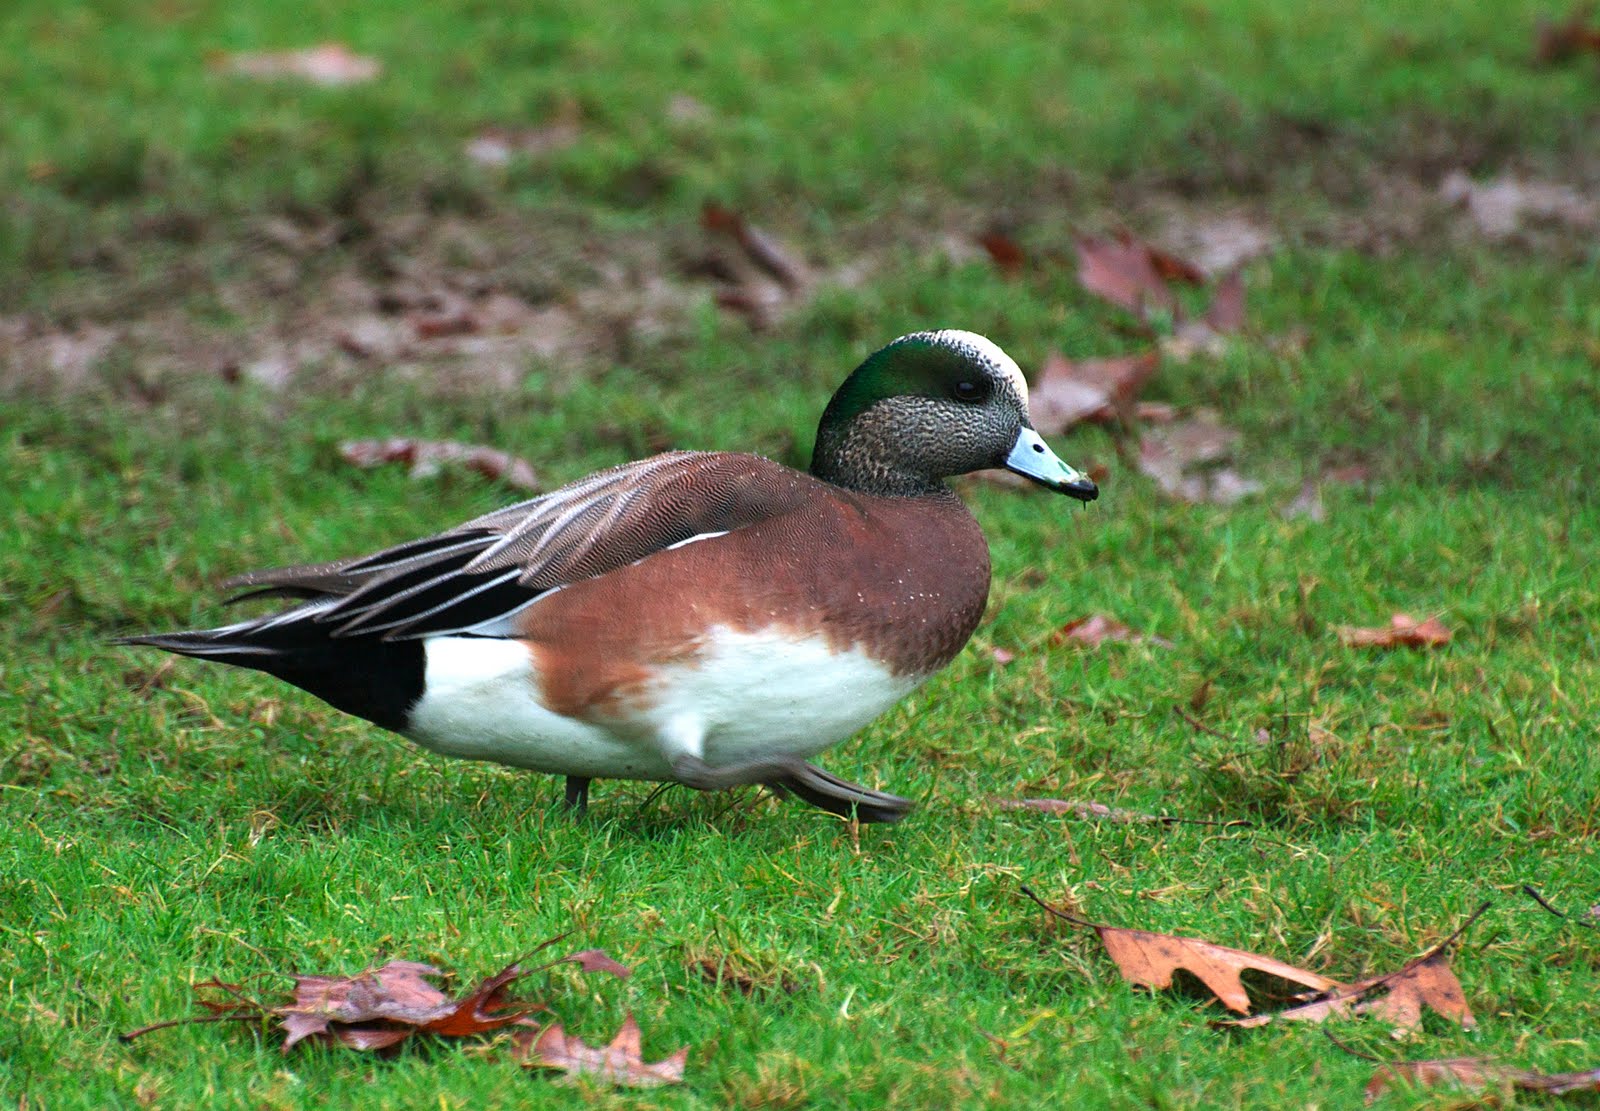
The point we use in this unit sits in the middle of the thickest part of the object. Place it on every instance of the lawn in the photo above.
(161, 825)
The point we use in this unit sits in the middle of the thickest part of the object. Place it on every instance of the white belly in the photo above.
(747, 695)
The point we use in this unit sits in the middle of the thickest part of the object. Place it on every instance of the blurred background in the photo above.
(1311, 290)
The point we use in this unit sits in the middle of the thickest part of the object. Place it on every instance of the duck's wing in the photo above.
(473, 578)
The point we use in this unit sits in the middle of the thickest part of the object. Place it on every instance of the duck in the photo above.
(706, 618)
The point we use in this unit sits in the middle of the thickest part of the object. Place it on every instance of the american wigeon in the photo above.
(705, 618)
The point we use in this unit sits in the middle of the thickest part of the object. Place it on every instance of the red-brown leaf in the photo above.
(1096, 629)
(596, 960)
(1226, 313)
(761, 248)
(1398, 997)
(1557, 42)
(1150, 960)
(1006, 254)
(621, 1062)
(1403, 631)
(1124, 273)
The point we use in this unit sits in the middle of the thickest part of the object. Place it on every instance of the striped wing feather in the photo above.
(473, 578)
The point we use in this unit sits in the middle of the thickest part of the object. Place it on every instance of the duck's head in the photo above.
(932, 405)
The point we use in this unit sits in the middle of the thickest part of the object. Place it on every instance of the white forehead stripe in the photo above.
(987, 350)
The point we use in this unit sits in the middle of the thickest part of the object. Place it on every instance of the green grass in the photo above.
(162, 826)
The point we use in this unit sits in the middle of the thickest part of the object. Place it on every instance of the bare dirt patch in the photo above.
(464, 301)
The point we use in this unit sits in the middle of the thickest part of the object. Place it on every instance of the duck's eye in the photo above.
(968, 390)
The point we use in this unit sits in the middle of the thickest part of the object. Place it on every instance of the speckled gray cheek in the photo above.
(907, 445)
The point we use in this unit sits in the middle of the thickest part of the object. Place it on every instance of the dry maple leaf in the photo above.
(329, 64)
(1476, 1073)
(1149, 960)
(1096, 629)
(621, 1062)
(1398, 997)
(1403, 631)
(1069, 391)
(427, 457)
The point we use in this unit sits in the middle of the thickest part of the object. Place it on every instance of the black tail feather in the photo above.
(375, 679)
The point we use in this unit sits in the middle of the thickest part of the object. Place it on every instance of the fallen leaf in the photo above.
(1208, 334)
(382, 1006)
(1398, 997)
(761, 248)
(454, 320)
(1002, 656)
(759, 305)
(1069, 391)
(1476, 1073)
(1225, 315)
(1557, 42)
(1403, 631)
(427, 457)
(329, 64)
(621, 1062)
(1149, 960)
(1500, 206)
(1096, 629)
(1187, 460)
(1216, 240)
(1006, 254)
(1125, 273)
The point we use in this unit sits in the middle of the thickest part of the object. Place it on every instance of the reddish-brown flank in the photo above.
(903, 579)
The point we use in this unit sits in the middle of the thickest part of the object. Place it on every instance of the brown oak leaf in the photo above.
(621, 1062)
(1398, 997)
(1150, 960)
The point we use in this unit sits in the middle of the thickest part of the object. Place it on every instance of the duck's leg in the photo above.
(578, 794)
(789, 775)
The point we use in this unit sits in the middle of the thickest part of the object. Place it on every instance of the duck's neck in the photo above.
(870, 456)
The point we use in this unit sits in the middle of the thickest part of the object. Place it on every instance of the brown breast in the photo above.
(903, 579)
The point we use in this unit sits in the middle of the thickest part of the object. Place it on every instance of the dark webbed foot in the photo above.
(840, 796)
(792, 776)
(578, 794)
